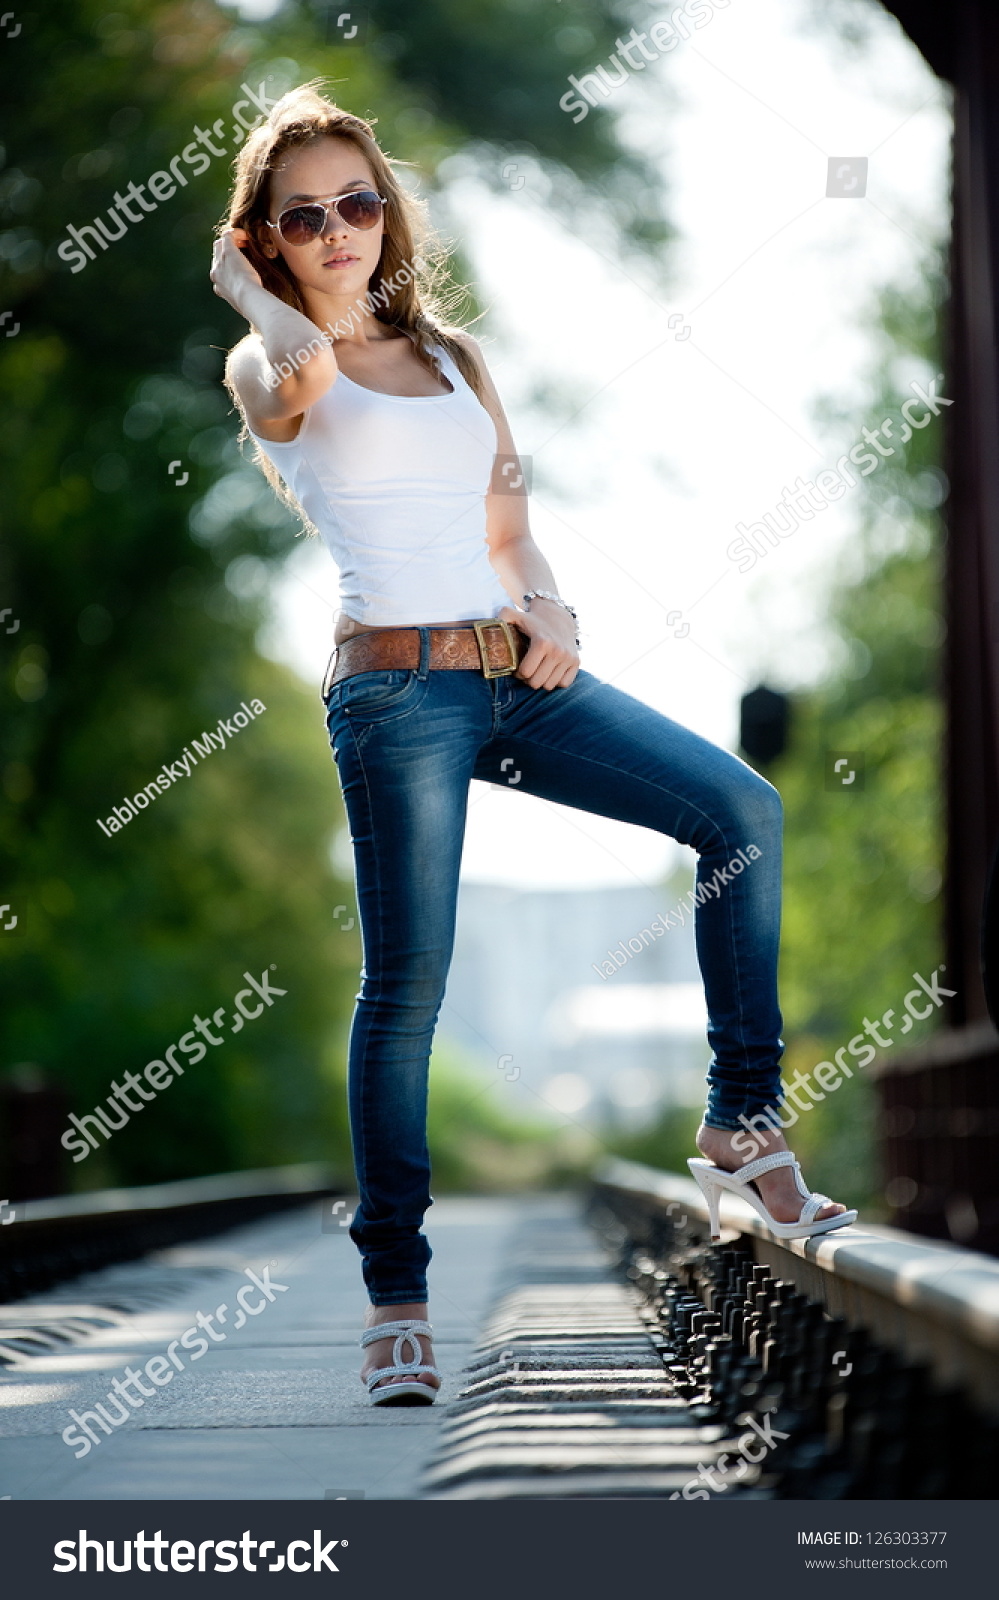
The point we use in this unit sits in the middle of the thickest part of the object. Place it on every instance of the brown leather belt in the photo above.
(490, 646)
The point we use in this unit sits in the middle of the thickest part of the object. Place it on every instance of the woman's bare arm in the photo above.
(272, 403)
(552, 662)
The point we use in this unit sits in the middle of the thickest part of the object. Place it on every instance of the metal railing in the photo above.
(44, 1242)
(873, 1354)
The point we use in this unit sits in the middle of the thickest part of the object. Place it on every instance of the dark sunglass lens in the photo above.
(360, 210)
(301, 224)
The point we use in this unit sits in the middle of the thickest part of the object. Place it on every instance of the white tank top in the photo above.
(396, 485)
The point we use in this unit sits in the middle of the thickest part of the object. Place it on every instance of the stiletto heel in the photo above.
(713, 1196)
(413, 1392)
(712, 1181)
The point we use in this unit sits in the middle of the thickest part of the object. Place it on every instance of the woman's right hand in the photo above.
(231, 272)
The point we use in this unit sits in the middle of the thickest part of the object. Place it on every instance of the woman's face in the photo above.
(340, 260)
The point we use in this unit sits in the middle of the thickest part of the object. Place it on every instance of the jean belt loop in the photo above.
(327, 688)
(423, 670)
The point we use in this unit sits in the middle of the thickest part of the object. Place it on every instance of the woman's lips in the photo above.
(340, 261)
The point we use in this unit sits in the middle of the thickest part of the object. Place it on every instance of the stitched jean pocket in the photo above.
(381, 695)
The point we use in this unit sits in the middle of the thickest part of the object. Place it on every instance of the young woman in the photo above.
(456, 653)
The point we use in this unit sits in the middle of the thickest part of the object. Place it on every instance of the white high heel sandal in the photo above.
(711, 1180)
(412, 1392)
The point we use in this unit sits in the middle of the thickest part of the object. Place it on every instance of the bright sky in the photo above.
(676, 440)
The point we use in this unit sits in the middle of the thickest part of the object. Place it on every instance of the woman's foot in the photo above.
(379, 1352)
(777, 1189)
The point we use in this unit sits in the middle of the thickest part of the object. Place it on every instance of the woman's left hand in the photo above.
(552, 661)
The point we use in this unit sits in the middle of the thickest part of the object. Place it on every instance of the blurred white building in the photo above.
(528, 999)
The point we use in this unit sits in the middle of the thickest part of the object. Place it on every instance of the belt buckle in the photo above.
(496, 622)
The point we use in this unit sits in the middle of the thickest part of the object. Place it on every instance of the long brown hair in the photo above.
(422, 307)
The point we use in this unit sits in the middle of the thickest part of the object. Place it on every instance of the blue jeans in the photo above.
(407, 744)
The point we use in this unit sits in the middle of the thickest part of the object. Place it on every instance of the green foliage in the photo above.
(665, 1143)
(480, 1145)
(498, 71)
(863, 865)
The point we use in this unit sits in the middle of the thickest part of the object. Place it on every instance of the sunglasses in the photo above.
(359, 209)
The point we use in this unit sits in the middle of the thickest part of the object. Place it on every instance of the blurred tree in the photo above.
(498, 71)
(138, 548)
(863, 862)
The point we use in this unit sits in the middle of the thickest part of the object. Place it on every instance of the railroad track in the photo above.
(569, 1394)
(48, 1242)
(625, 1354)
(629, 1356)
(873, 1353)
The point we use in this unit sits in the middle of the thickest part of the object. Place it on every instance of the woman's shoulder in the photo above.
(477, 372)
(470, 348)
(250, 347)
(467, 342)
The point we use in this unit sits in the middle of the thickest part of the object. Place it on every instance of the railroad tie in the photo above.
(568, 1394)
